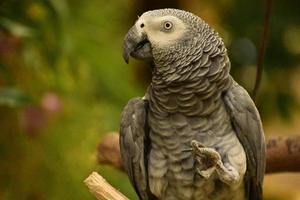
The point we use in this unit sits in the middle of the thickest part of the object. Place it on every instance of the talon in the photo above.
(187, 150)
(196, 144)
(206, 173)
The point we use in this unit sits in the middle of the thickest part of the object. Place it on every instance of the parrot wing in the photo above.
(135, 144)
(248, 127)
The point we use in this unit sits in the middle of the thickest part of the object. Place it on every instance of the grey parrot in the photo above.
(196, 134)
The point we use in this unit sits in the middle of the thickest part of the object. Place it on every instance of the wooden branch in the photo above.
(108, 151)
(283, 153)
(101, 189)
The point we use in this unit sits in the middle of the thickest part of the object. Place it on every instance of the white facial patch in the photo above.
(158, 33)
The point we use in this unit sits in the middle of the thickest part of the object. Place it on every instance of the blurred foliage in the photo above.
(63, 82)
(12, 97)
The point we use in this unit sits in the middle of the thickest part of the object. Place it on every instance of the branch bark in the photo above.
(283, 153)
(101, 189)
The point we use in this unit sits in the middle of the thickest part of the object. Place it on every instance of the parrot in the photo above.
(196, 134)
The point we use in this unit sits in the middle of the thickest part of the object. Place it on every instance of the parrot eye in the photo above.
(168, 25)
(142, 25)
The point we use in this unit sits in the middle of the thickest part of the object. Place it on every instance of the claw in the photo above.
(206, 173)
(187, 150)
(196, 144)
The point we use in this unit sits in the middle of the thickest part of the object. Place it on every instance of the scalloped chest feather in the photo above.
(177, 115)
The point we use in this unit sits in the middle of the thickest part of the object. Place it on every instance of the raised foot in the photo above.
(206, 159)
(209, 160)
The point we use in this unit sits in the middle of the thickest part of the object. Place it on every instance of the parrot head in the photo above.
(154, 29)
(172, 37)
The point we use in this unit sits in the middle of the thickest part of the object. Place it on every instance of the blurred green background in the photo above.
(63, 85)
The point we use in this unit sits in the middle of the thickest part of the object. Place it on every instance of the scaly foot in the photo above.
(206, 158)
(209, 160)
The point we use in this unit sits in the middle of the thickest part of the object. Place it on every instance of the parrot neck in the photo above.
(190, 82)
(189, 98)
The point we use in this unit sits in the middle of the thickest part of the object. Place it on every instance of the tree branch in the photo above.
(101, 189)
(283, 153)
(108, 151)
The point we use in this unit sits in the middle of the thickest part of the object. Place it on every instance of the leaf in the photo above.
(16, 28)
(13, 97)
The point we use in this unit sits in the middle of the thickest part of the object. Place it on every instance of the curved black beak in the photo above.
(136, 45)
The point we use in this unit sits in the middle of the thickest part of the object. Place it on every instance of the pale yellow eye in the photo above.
(168, 25)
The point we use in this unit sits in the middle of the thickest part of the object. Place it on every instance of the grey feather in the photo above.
(247, 124)
(134, 145)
